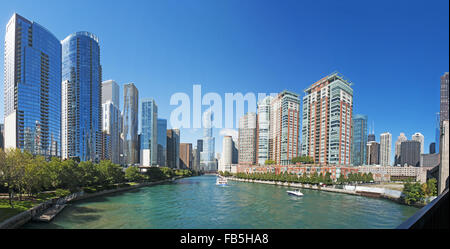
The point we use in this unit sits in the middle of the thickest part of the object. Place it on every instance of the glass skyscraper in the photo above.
(32, 88)
(149, 130)
(162, 142)
(207, 160)
(81, 97)
(359, 139)
(112, 121)
(130, 124)
(263, 130)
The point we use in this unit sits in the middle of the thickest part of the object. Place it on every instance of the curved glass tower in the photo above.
(81, 97)
(32, 88)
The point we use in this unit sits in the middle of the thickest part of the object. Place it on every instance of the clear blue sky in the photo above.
(393, 51)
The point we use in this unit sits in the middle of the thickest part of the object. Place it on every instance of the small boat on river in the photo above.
(295, 192)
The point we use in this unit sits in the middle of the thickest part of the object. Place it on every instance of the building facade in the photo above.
(429, 160)
(385, 149)
(359, 140)
(173, 148)
(186, 157)
(443, 181)
(444, 97)
(207, 160)
(111, 121)
(162, 142)
(327, 121)
(402, 138)
(420, 138)
(247, 138)
(149, 133)
(263, 135)
(410, 153)
(129, 136)
(81, 97)
(32, 88)
(371, 137)
(284, 127)
(373, 153)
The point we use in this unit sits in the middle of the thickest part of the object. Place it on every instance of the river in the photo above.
(197, 203)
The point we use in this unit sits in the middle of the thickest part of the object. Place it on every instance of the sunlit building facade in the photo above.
(32, 88)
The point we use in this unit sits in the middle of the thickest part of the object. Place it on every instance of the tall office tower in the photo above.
(438, 131)
(111, 121)
(81, 97)
(402, 138)
(195, 161)
(432, 148)
(200, 145)
(385, 149)
(264, 130)
(359, 139)
(186, 157)
(129, 134)
(247, 139)
(32, 88)
(207, 160)
(419, 137)
(111, 92)
(371, 137)
(235, 152)
(326, 123)
(444, 154)
(149, 133)
(162, 142)
(444, 97)
(373, 153)
(410, 153)
(173, 148)
(227, 150)
(284, 140)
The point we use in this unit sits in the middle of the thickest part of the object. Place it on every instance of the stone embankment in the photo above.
(390, 194)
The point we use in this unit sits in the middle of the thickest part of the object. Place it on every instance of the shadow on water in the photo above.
(38, 225)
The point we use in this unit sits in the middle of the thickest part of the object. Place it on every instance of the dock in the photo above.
(50, 213)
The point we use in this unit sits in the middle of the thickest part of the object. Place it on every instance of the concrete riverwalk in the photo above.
(393, 195)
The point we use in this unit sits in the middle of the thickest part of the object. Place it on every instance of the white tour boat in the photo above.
(221, 181)
(296, 193)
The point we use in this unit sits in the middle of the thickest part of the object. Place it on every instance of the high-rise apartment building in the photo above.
(186, 157)
(149, 133)
(247, 139)
(173, 148)
(284, 140)
(111, 121)
(129, 134)
(385, 149)
(420, 138)
(263, 135)
(397, 157)
(359, 140)
(81, 97)
(410, 153)
(327, 121)
(373, 153)
(162, 142)
(32, 88)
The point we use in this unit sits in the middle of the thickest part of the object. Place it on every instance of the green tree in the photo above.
(132, 174)
(413, 192)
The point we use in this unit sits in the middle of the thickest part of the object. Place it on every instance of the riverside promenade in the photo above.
(48, 210)
(393, 195)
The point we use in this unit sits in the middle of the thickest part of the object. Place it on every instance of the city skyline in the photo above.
(401, 123)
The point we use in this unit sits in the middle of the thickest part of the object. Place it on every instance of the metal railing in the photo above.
(432, 216)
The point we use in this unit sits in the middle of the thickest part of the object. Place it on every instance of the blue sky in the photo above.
(393, 51)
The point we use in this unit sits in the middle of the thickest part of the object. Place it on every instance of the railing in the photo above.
(432, 216)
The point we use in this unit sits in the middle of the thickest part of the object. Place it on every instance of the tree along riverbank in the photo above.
(28, 181)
